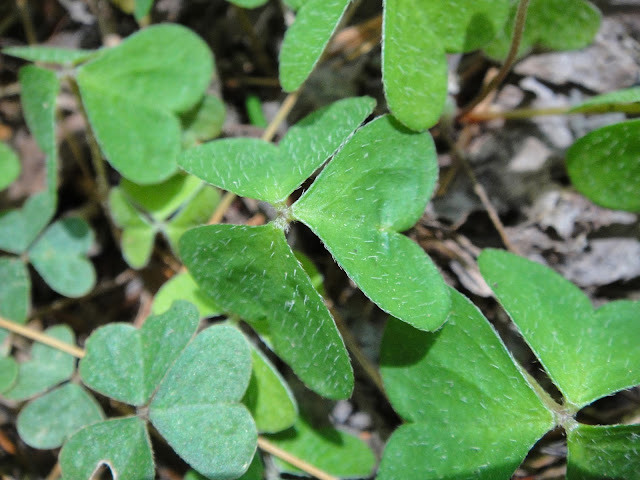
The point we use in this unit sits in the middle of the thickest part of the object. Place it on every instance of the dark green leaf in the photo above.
(15, 289)
(9, 166)
(20, 227)
(8, 373)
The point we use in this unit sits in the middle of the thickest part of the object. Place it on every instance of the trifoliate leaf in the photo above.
(9, 166)
(260, 170)
(48, 421)
(268, 396)
(604, 165)
(197, 407)
(252, 272)
(20, 227)
(121, 444)
(15, 289)
(588, 354)
(358, 193)
(59, 255)
(464, 399)
(46, 368)
(127, 364)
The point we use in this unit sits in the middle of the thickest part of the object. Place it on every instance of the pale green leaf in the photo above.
(252, 272)
(9, 166)
(566, 25)
(20, 227)
(608, 101)
(127, 364)
(15, 289)
(258, 169)
(604, 165)
(268, 396)
(358, 193)
(249, 3)
(203, 122)
(59, 256)
(122, 444)
(183, 287)
(328, 449)
(588, 354)
(46, 368)
(41, 53)
(304, 42)
(39, 91)
(49, 420)
(197, 409)
(599, 452)
(464, 397)
(138, 234)
(8, 373)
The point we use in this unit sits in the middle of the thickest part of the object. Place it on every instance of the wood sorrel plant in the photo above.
(214, 395)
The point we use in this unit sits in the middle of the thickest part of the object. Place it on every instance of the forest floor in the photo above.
(520, 164)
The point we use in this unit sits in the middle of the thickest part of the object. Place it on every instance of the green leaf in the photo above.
(608, 101)
(358, 192)
(567, 25)
(305, 40)
(464, 397)
(127, 364)
(20, 227)
(252, 272)
(40, 53)
(248, 3)
(604, 165)
(40, 89)
(122, 444)
(162, 199)
(317, 280)
(49, 420)
(255, 471)
(146, 80)
(8, 373)
(15, 290)
(197, 407)
(266, 172)
(588, 354)
(9, 166)
(46, 368)
(268, 397)
(142, 8)
(183, 287)
(331, 450)
(203, 122)
(414, 66)
(59, 255)
(138, 234)
(609, 451)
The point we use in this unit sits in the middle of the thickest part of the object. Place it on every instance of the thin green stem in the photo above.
(526, 113)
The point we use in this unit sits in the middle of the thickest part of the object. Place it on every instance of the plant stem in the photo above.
(516, 38)
(269, 447)
(41, 337)
(525, 113)
(27, 23)
(267, 136)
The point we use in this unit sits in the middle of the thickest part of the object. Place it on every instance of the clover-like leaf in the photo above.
(588, 354)
(464, 399)
(331, 450)
(48, 421)
(20, 227)
(377, 185)
(46, 367)
(8, 373)
(127, 364)
(183, 287)
(203, 122)
(268, 396)
(263, 171)
(15, 289)
(122, 444)
(566, 25)
(604, 165)
(603, 451)
(304, 42)
(9, 166)
(59, 255)
(142, 8)
(146, 80)
(197, 407)
(45, 54)
(252, 272)
(40, 89)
